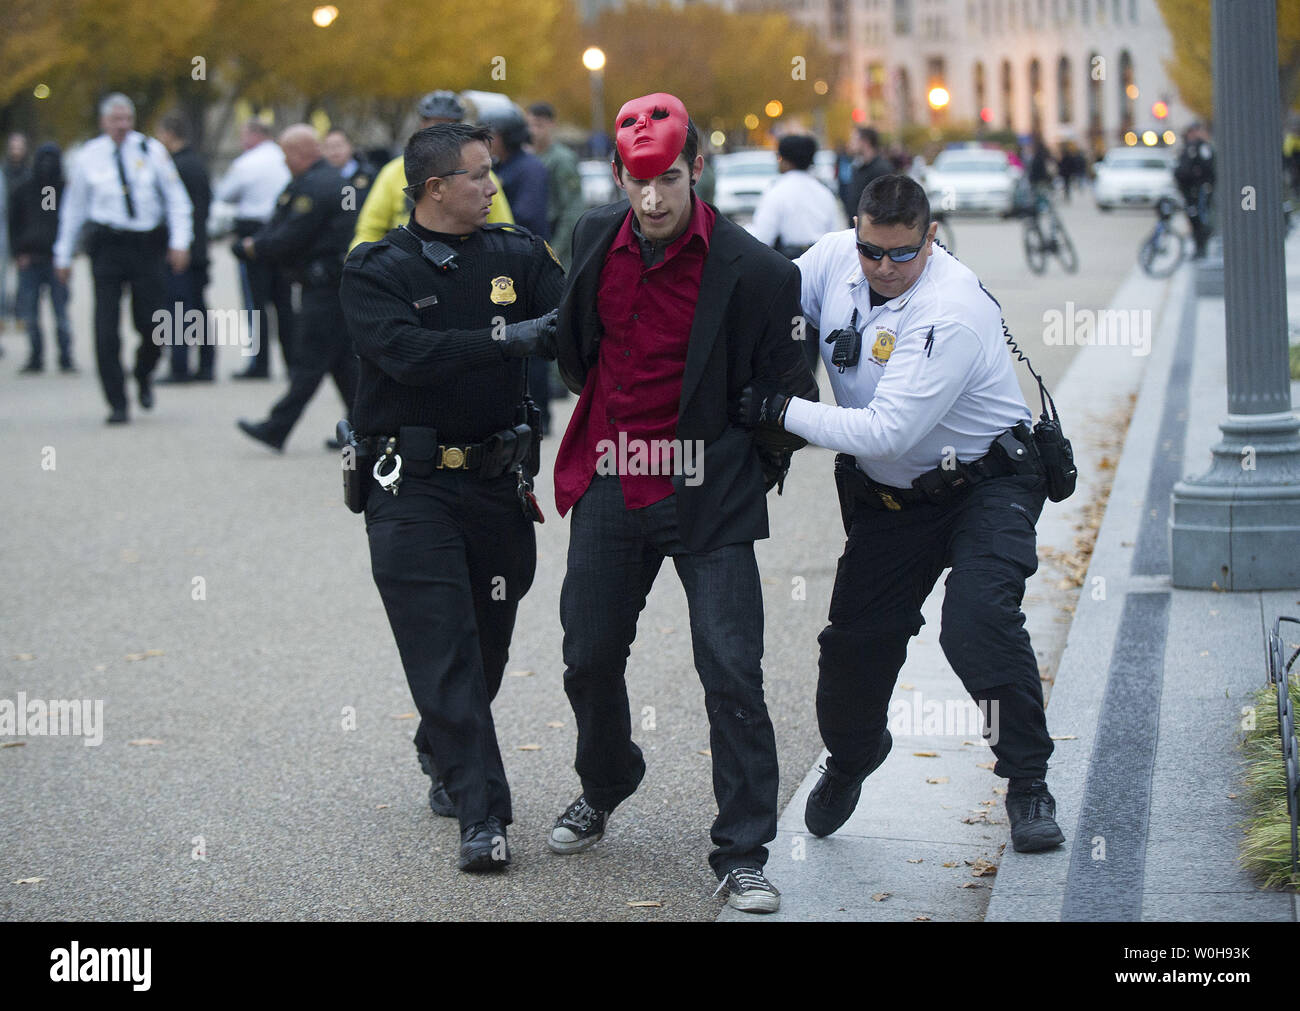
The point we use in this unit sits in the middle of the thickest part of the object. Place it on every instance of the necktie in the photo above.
(126, 186)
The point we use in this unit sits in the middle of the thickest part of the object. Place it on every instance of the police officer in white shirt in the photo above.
(137, 218)
(937, 469)
(796, 210)
(252, 185)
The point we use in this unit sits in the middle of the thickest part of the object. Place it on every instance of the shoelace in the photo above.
(581, 814)
(745, 879)
(831, 784)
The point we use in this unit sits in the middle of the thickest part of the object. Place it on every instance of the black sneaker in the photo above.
(836, 795)
(1032, 812)
(483, 846)
(579, 828)
(258, 430)
(440, 801)
(749, 891)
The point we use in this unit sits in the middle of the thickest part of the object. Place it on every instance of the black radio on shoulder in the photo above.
(847, 347)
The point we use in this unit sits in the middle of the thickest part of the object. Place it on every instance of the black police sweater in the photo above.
(425, 337)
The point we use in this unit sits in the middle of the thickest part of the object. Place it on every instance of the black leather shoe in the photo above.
(118, 417)
(171, 380)
(204, 377)
(440, 800)
(1032, 811)
(257, 430)
(251, 374)
(31, 368)
(836, 795)
(483, 846)
(146, 392)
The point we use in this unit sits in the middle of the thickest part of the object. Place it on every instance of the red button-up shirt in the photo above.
(630, 401)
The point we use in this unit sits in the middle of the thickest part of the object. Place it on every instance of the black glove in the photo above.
(760, 405)
(775, 466)
(531, 337)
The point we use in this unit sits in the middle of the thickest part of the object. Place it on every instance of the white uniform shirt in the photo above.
(254, 181)
(796, 209)
(95, 194)
(935, 375)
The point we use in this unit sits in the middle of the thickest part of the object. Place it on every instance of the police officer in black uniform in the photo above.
(1194, 174)
(443, 311)
(308, 237)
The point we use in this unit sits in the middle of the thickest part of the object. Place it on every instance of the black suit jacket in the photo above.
(746, 322)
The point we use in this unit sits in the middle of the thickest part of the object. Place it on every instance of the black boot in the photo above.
(1032, 811)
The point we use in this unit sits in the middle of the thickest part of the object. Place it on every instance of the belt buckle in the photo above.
(452, 458)
(889, 500)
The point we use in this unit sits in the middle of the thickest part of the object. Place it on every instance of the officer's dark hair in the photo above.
(177, 125)
(435, 150)
(689, 150)
(542, 110)
(895, 200)
(870, 135)
(798, 149)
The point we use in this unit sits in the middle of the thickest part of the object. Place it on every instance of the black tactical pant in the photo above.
(135, 259)
(453, 556)
(890, 564)
(322, 347)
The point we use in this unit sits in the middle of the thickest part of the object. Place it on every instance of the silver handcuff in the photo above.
(391, 480)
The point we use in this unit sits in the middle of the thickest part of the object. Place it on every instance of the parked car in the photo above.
(1134, 177)
(740, 179)
(598, 182)
(972, 179)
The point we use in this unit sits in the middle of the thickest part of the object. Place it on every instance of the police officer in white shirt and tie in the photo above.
(937, 469)
(796, 210)
(137, 220)
(252, 185)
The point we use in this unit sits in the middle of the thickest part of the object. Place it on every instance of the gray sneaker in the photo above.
(749, 891)
(578, 828)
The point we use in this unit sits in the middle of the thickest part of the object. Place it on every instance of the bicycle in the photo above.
(1045, 235)
(1166, 247)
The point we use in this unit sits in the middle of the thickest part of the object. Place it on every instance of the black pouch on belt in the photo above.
(357, 464)
(499, 451)
(418, 448)
(850, 485)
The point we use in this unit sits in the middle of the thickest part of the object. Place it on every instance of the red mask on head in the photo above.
(651, 132)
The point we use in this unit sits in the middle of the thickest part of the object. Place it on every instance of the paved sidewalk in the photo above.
(1145, 766)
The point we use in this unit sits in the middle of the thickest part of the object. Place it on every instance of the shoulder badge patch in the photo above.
(552, 252)
(503, 290)
(884, 346)
(301, 204)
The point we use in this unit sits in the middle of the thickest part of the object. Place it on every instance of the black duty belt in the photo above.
(1012, 453)
(446, 456)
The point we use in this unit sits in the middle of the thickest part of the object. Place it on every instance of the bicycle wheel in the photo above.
(1035, 253)
(1065, 250)
(1162, 253)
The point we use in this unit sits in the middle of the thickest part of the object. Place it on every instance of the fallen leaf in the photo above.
(144, 741)
(29, 881)
(926, 754)
(1205, 652)
(380, 807)
(529, 747)
(554, 724)
(1232, 796)
(101, 667)
(970, 744)
(916, 861)
(706, 752)
(936, 780)
(987, 803)
(951, 864)
(985, 765)
(925, 918)
(24, 656)
(145, 655)
(1000, 791)
(880, 896)
(982, 868)
(521, 673)
(979, 819)
(13, 744)
(907, 688)
(668, 631)
(1065, 737)
(646, 904)
(970, 884)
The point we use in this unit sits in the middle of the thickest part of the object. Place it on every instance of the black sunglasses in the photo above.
(900, 255)
(415, 188)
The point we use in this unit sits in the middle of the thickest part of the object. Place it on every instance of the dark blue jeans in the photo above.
(614, 555)
(38, 274)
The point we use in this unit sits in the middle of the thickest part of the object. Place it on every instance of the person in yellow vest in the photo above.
(387, 206)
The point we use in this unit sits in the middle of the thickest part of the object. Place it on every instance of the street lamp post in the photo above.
(593, 59)
(1238, 525)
